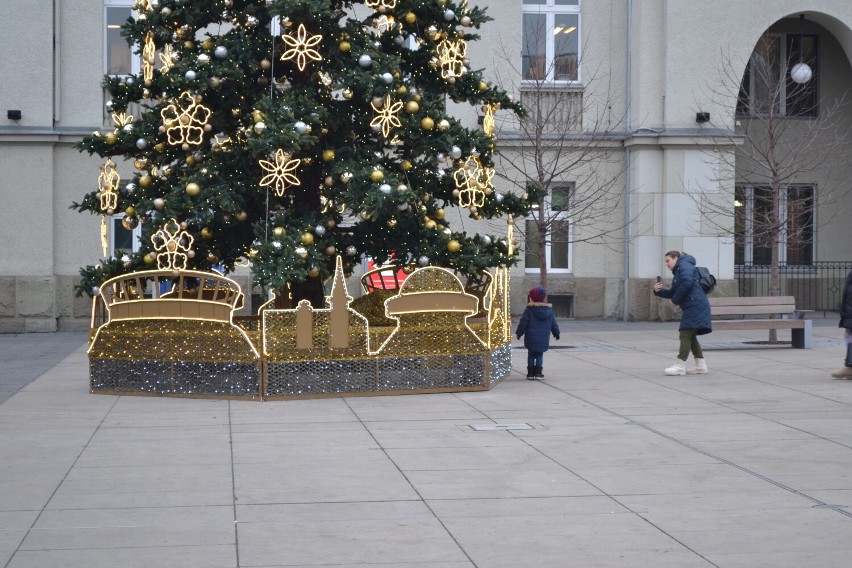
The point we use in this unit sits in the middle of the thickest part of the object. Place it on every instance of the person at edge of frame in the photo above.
(687, 293)
(536, 325)
(846, 321)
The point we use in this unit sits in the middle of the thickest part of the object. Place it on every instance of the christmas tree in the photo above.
(288, 132)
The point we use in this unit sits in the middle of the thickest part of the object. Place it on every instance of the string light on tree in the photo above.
(108, 182)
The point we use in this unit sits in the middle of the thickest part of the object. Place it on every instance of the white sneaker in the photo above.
(679, 368)
(700, 368)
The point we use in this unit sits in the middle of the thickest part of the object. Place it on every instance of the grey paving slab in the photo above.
(750, 465)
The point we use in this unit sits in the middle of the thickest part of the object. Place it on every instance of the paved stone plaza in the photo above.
(607, 463)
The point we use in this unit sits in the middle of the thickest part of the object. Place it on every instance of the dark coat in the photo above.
(688, 294)
(536, 325)
(846, 303)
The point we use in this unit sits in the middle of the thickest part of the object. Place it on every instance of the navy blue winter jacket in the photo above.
(536, 325)
(688, 294)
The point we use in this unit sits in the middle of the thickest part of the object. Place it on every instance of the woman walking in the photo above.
(687, 293)
(846, 321)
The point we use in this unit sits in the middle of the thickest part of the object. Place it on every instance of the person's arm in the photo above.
(667, 292)
(554, 327)
(683, 282)
(522, 325)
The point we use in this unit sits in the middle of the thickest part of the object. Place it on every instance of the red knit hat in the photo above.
(538, 294)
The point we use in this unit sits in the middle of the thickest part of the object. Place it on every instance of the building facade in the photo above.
(650, 86)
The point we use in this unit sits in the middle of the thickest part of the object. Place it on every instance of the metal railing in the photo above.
(816, 286)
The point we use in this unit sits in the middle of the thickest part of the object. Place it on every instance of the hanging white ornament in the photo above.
(365, 61)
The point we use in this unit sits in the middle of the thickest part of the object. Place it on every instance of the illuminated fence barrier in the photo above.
(173, 333)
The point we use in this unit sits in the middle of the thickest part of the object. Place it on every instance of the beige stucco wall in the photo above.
(675, 51)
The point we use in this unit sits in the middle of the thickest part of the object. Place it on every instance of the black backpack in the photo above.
(707, 280)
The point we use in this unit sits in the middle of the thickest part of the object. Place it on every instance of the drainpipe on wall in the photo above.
(628, 121)
(57, 41)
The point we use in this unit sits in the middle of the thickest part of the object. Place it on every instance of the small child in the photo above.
(537, 323)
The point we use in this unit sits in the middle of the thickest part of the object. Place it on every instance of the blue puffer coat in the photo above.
(688, 294)
(536, 325)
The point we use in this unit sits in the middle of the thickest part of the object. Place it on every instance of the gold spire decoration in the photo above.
(185, 120)
(301, 47)
(148, 57)
(387, 118)
(488, 120)
(173, 246)
(280, 174)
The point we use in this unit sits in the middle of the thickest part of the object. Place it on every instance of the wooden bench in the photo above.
(763, 312)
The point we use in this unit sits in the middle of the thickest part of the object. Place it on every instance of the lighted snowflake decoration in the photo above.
(280, 175)
(173, 246)
(381, 5)
(472, 180)
(185, 120)
(451, 56)
(108, 182)
(387, 118)
(301, 47)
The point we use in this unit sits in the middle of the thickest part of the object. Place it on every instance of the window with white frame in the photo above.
(554, 220)
(766, 84)
(550, 41)
(119, 58)
(121, 239)
(755, 229)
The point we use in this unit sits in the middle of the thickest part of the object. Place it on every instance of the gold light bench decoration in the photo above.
(171, 332)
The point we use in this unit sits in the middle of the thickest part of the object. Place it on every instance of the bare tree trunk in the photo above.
(775, 249)
(542, 250)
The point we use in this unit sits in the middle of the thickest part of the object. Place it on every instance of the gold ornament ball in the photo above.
(206, 233)
(215, 82)
(411, 107)
(439, 213)
(189, 44)
(149, 258)
(444, 125)
(453, 246)
(327, 155)
(160, 147)
(330, 250)
(111, 138)
(410, 17)
(344, 46)
(130, 211)
(193, 189)
(391, 223)
(331, 223)
(376, 176)
(208, 44)
(212, 258)
(190, 160)
(408, 268)
(279, 231)
(159, 203)
(265, 64)
(430, 224)
(307, 239)
(314, 272)
(401, 90)
(483, 86)
(347, 93)
(427, 123)
(130, 222)
(405, 165)
(242, 216)
(190, 253)
(329, 181)
(146, 181)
